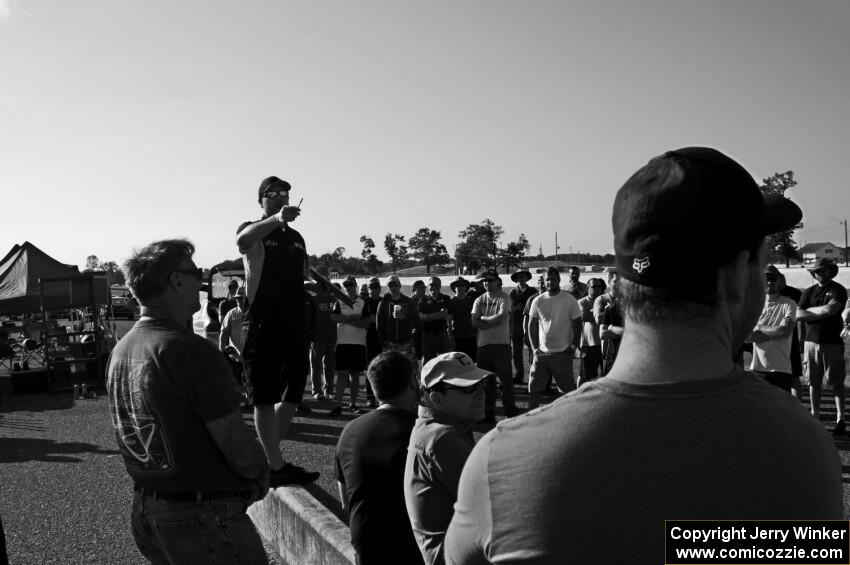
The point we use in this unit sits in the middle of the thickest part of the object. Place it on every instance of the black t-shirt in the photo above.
(370, 458)
(827, 330)
(281, 268)
(164, 384)
(431, 305)
(461, 311)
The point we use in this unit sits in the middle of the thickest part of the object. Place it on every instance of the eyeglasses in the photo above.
(596, 286)
(434, 286)
(445, 387)
(197, 271)
(274, 193)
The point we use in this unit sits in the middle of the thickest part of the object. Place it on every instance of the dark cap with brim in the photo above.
(273, 183)
(522, 274)
(695, 209)
(825, 264)
(460, 281)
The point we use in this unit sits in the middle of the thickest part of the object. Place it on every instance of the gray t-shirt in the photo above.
(435, 457)
(498, 305)
(591, 478)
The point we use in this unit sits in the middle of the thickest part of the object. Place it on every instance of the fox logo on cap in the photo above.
(640, 264)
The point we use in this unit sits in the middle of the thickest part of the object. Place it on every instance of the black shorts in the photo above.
(350, 357)
(276, 357)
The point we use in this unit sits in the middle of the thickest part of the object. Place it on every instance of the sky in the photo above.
(123, 122)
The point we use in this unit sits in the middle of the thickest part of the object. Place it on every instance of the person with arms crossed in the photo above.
(175, 413)
(460, 310)
(276, 347)
(696, 434)
(491, 315)
(823, 348)
(350, 360)
(771, 338)
(520, 295)
(370, 459)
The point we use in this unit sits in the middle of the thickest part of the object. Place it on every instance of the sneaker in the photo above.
(291, 474)
(336, 411)
(840, 428)
(320, 396)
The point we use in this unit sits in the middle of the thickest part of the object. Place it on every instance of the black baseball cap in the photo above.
(273, 182)
(693, 210)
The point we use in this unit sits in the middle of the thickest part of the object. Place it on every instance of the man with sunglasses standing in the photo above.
(453, 390)
(435, 317)
(276, 347)
(174, 407)
(823, 348)
(491, 315)
(771, 338)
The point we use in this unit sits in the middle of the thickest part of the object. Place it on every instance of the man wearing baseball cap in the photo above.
(276, 346)
(676, 430)
(823, 348)
(771, 338)
(441, 440)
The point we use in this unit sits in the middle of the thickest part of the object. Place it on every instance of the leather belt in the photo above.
(192, 495)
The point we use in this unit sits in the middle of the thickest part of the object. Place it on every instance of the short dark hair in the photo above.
(147, 270)
(390, 374)
(646, 304)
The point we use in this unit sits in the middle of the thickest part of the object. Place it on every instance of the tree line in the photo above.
(480, 247)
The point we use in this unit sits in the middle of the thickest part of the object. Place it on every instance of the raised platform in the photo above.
(301, 529)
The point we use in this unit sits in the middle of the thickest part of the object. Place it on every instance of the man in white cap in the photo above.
(441, 440)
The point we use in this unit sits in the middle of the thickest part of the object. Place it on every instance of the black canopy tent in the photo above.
(20, 292)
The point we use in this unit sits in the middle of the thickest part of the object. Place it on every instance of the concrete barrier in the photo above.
(302, 529)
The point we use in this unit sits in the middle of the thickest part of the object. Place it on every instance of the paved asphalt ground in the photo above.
(64, 494)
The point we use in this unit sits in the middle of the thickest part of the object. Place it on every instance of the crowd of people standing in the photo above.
(545, 487)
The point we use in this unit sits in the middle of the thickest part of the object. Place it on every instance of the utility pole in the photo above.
(845, 243)
(556, 248)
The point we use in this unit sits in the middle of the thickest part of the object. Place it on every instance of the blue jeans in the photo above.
(210, 531)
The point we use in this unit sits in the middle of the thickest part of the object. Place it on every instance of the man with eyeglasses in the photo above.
(195, 465)
(771, 338)
(823, 347)
(397, 316)
(491, 315)
(453, 393)
(276, 349)
(435, 317)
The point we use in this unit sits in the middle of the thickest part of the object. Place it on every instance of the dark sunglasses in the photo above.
(445, 387)
(274, 193)
(198, 272)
